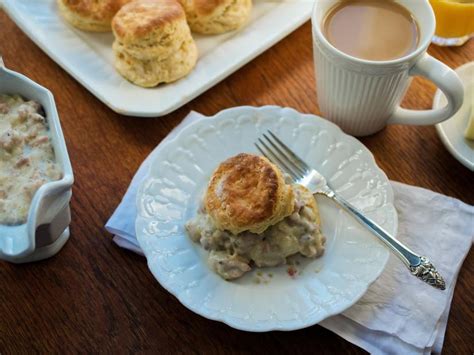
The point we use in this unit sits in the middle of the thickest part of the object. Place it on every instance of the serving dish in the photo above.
(170, 194)
(89, 58)
(451, 132)
(47, 227)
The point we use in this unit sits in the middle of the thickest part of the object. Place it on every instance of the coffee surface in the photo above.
(371, 29)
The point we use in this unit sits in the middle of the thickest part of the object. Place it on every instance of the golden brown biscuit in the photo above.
(248, 192)
(216, 16)
(153, 42)
(146, 19)
(90, 15)
(149, 73)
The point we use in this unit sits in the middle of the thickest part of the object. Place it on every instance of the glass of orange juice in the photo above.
(454, 21)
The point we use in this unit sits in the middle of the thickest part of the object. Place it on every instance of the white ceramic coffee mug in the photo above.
(363, 96)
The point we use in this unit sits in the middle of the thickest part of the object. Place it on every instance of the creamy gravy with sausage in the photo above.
(27, 158)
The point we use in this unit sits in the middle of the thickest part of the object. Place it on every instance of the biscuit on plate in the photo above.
(90, 15)
(216, 16)
(248, 193)
(153, 42)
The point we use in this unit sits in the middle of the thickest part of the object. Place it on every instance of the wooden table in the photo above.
(94, 296)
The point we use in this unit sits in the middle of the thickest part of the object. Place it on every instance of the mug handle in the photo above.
(449, 83)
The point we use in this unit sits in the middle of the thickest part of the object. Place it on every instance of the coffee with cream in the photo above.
(371, 29)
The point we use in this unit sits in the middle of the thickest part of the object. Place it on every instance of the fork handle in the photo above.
(420, 266)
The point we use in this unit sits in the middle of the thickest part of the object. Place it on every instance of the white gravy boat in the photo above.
(47, 227)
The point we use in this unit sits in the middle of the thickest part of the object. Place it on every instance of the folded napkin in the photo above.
(398, 314)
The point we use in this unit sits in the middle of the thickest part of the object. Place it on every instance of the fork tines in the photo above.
(279, 153)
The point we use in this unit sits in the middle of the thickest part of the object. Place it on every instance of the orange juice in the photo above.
(454, 18)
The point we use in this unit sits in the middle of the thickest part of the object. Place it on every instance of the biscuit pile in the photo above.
(153, 42)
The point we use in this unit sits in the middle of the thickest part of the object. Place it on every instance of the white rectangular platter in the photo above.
(88, 57)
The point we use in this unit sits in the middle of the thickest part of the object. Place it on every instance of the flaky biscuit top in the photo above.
(139, 18)
(248, 193)
(207, 7)
(101, 10)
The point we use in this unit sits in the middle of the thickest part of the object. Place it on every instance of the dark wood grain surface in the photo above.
(94, 296)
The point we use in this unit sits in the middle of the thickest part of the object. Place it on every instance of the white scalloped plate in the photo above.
(170, 194)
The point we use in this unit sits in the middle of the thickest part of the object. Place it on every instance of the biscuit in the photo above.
(153, 42)
(149, 73)
(90, 15)
(216, 16)
(248, 193)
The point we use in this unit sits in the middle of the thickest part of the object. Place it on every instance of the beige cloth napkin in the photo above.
(398, 314)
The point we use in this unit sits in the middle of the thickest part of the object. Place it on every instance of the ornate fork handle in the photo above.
(420, 266)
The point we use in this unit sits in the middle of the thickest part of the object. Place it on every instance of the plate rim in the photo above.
(245, 326)
(440, 126)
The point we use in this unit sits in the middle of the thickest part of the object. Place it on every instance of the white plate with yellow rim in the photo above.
(171, 192)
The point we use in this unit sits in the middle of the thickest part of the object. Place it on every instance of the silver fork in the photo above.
(279, 153)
